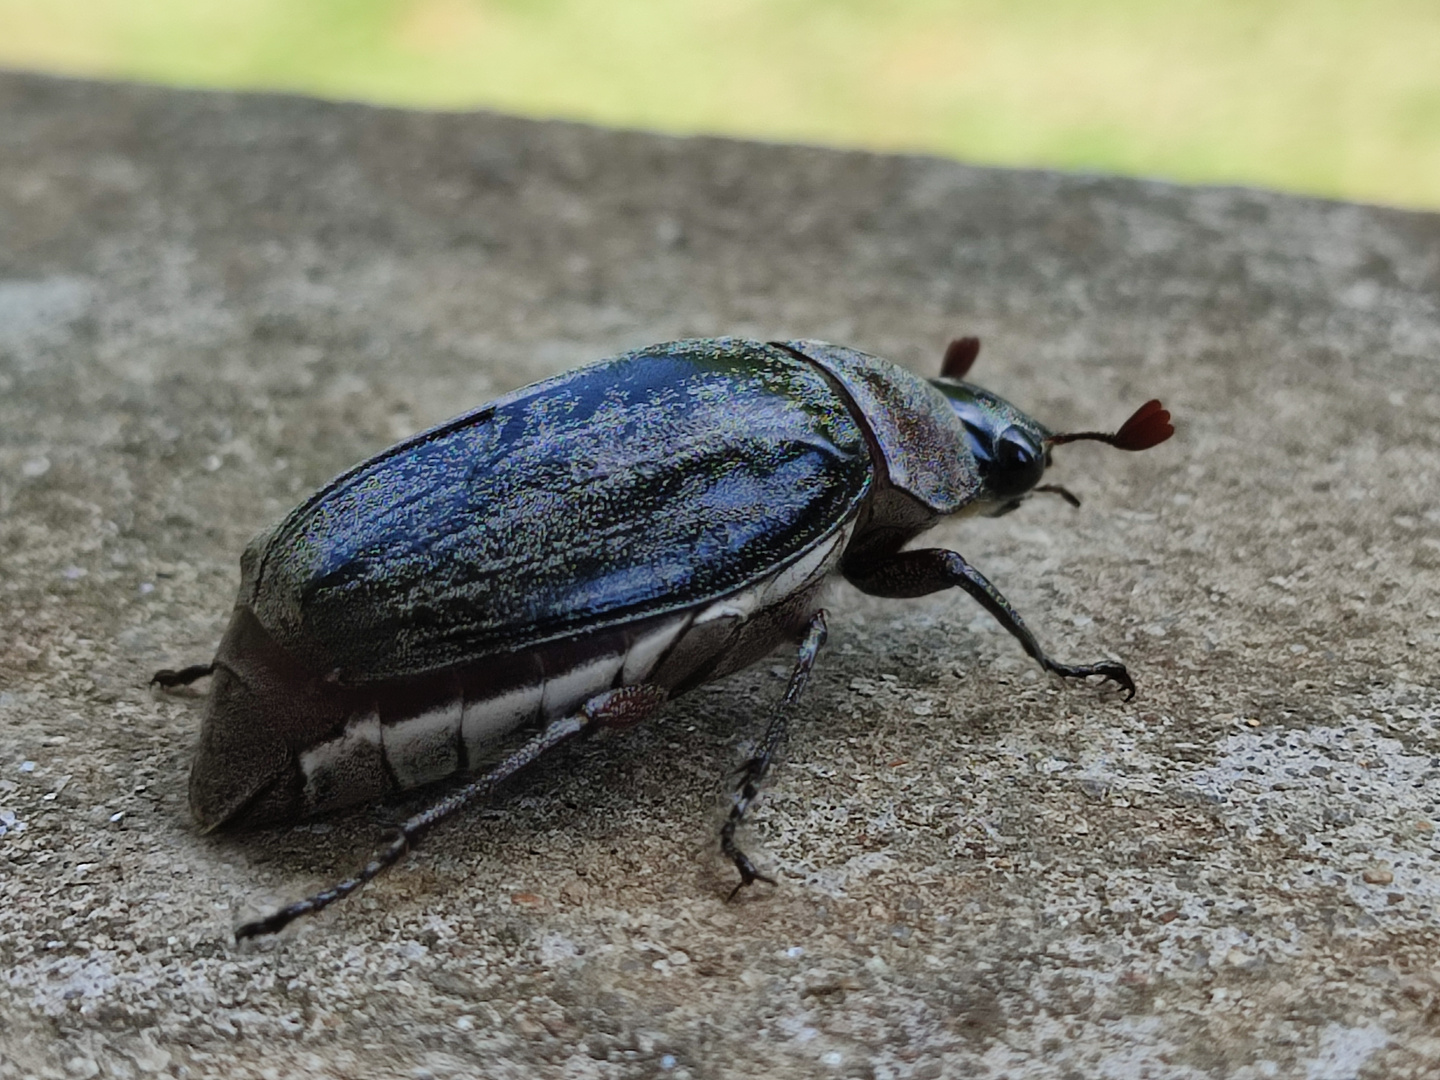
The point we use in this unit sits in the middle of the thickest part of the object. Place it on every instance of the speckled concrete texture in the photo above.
(209, 304)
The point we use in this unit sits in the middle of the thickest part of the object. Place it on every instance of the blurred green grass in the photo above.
(1330, 97)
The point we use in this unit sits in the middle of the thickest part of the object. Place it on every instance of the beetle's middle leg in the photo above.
(619, 708)
(918, 573)
(754, 770)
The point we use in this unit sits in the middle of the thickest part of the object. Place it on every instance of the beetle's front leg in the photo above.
(918, 573)
(754, 770)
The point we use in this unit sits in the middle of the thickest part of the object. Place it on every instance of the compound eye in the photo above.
(1019, 463)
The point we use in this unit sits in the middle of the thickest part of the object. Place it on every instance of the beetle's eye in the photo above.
(1019, 463)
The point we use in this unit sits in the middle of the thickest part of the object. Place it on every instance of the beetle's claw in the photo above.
(1122, 679)
(748, 875)
(1112, 672)
(1117, 674)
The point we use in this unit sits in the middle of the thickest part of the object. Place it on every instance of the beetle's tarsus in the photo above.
(278, 920)
(752, 773)
(749, 789)
(1107, 670)
(748, 875)
(169, 678)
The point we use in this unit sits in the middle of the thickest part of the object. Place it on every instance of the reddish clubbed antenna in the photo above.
(1148, 426)
(959, 357)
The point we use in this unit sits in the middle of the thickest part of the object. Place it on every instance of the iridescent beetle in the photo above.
(578, 552)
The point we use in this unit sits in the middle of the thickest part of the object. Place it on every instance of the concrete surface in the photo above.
(211, 303)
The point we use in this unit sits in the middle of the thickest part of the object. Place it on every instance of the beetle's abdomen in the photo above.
(403, 735)
(641, 485)
(279, 743)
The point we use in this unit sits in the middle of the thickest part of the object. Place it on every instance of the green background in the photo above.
(1329, 97)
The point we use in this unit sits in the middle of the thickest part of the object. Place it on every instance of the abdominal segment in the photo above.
(406, 735)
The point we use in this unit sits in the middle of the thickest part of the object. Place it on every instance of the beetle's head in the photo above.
(1011, 450)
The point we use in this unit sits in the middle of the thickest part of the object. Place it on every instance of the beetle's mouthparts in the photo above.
(1148, 426)
(1064, 493)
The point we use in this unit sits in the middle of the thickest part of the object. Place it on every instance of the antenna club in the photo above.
(960, 357)
(1148, 426)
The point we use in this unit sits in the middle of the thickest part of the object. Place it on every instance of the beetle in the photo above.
(577, 553)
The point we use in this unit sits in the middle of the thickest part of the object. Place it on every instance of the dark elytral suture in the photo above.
(574, 554)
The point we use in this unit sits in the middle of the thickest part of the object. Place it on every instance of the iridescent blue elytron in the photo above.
(573, 555)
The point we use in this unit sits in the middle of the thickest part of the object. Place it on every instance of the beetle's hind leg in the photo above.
(618, 708)
(168, 678)
(753, 772)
